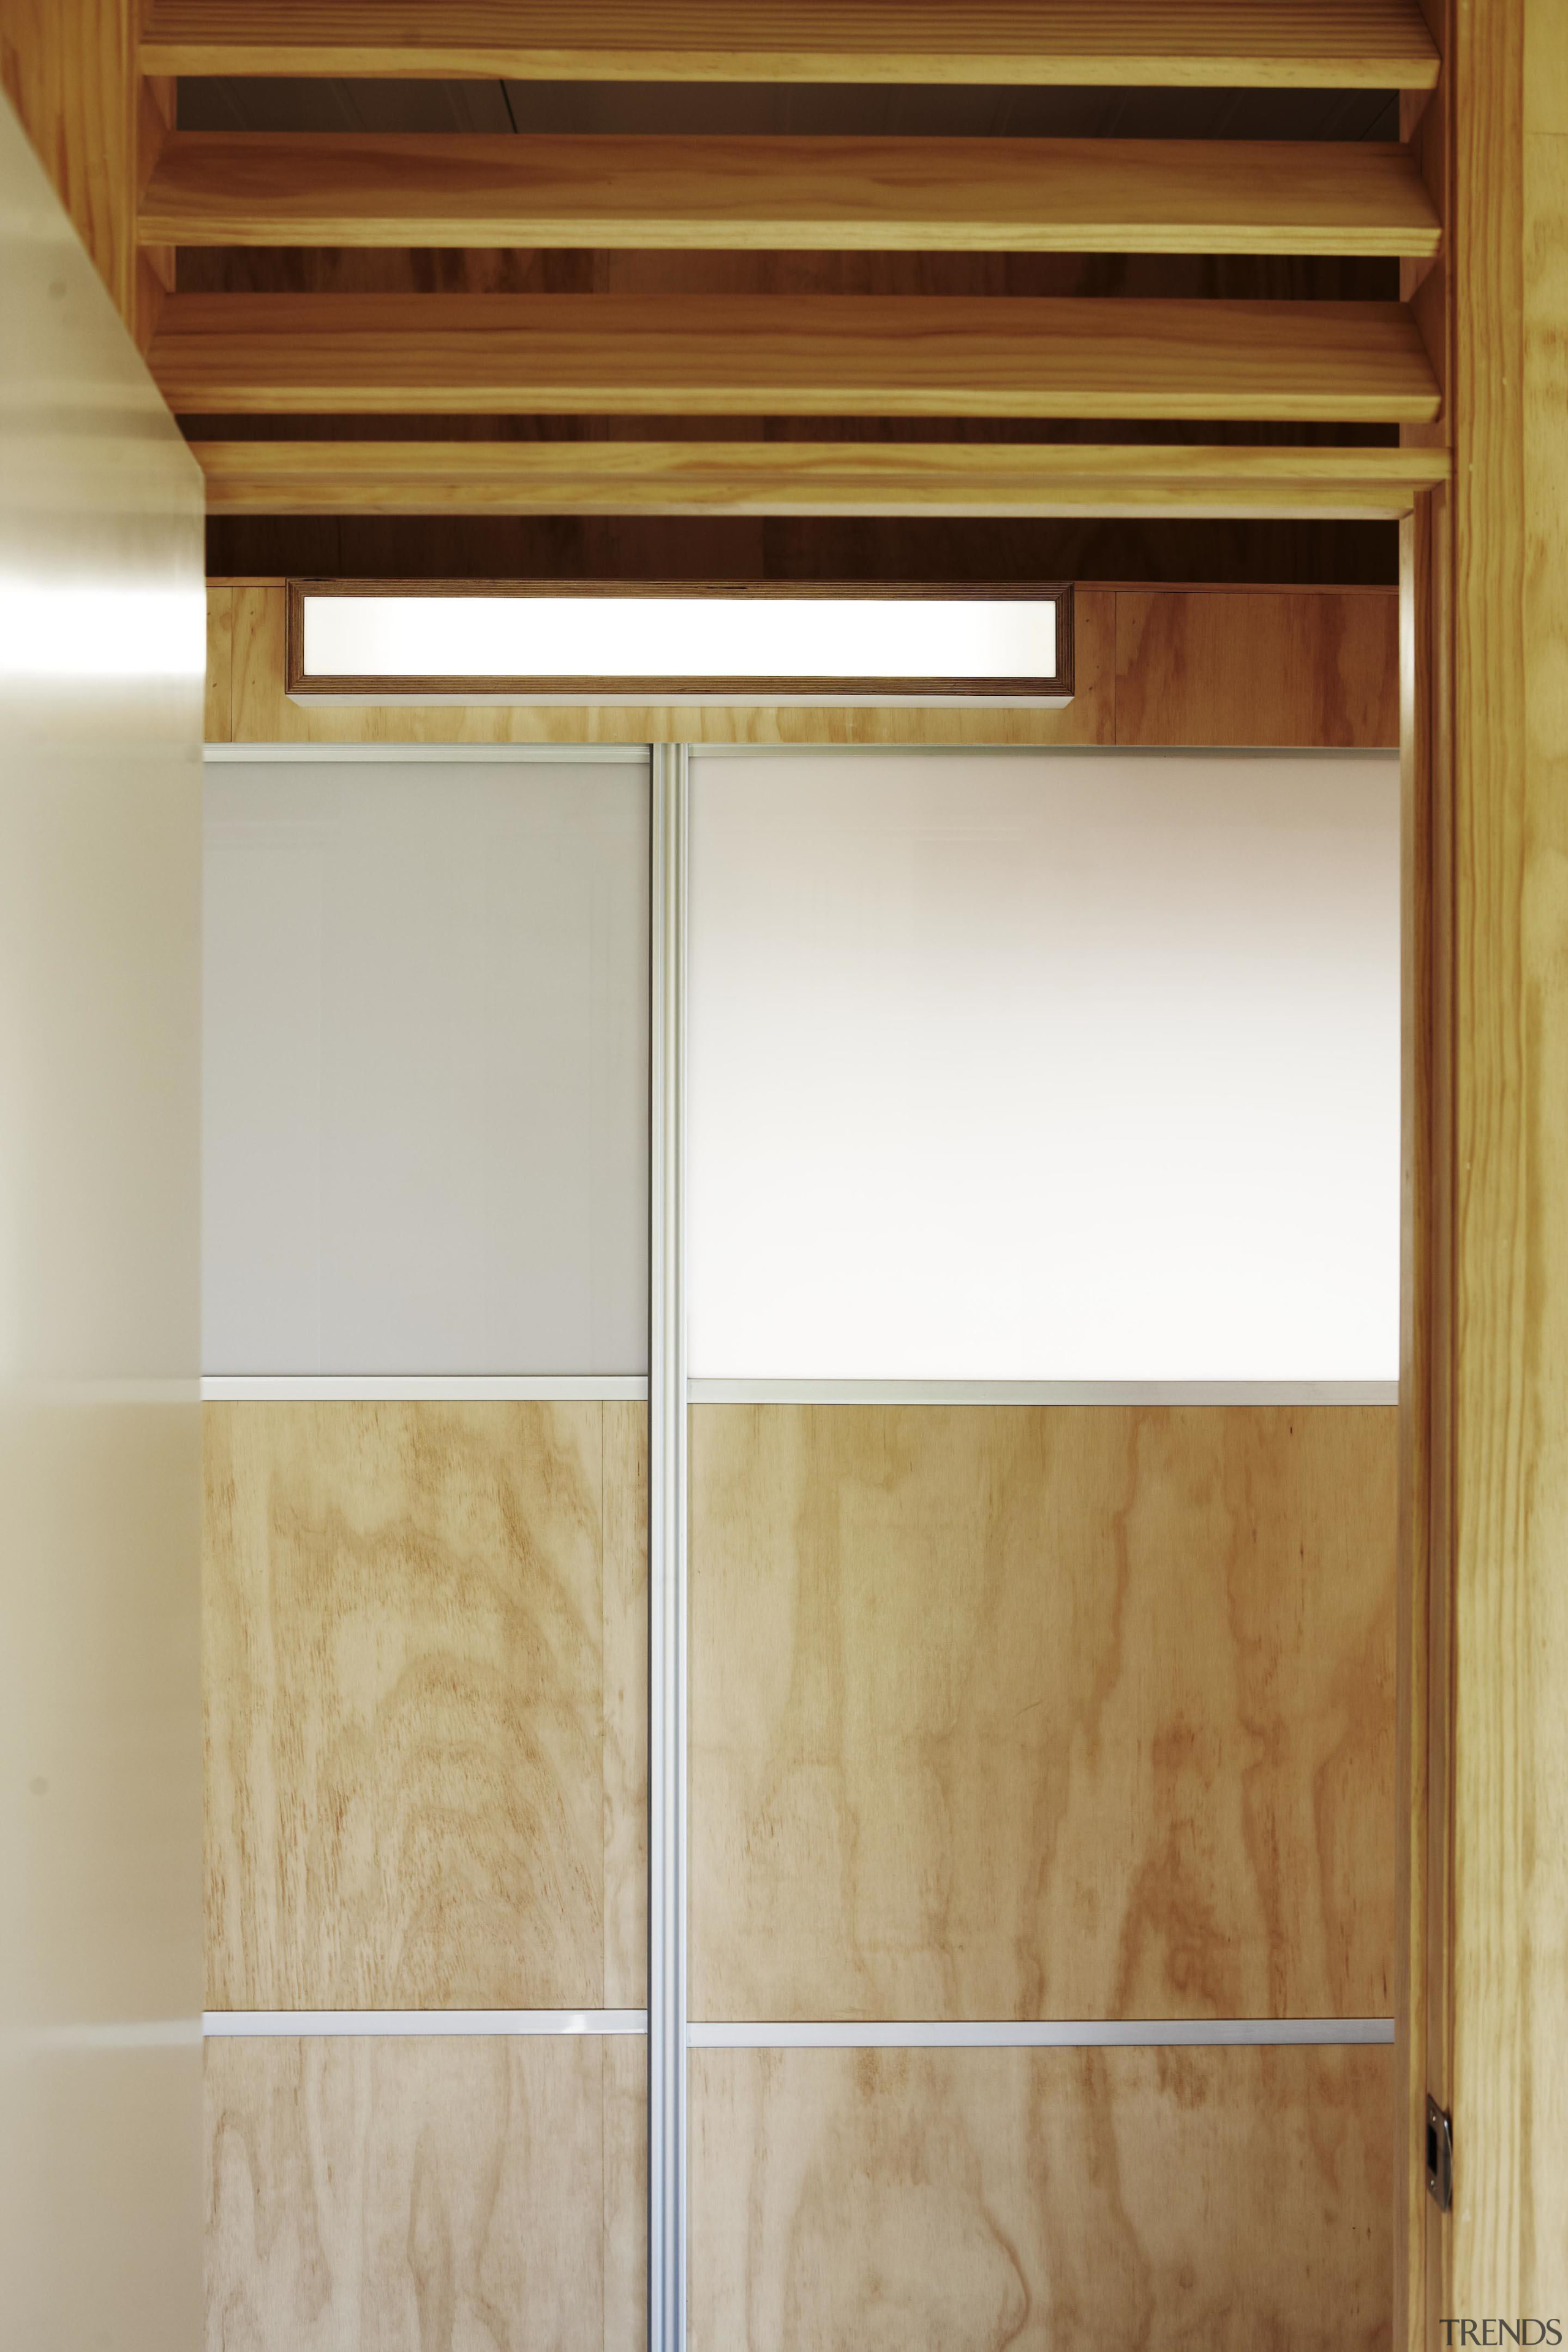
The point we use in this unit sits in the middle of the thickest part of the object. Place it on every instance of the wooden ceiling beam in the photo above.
(810, 478)
(1249, 44)
(1023, 195)
(1361, 363)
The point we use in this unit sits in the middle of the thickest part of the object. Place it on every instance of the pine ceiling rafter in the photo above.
(1020, 195)
(1156, 365)
(1248, 44)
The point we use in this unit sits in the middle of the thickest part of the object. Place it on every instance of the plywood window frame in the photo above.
(1052, 690)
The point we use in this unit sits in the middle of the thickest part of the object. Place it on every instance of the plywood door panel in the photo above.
(409, 1804)
(624, 2191)
(1043, 2200)
(369, 2195)
(1319, 671)
(1075, 1712)
(626, 1670)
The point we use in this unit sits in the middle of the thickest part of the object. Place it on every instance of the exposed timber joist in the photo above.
(829, 355)
(1023, 196)
(1257, 44)
(809, 477)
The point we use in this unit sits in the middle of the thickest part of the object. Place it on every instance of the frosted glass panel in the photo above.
(426, 1069)
(680, 636)
(1076, 1067)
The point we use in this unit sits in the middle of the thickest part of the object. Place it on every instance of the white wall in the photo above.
(101, 652)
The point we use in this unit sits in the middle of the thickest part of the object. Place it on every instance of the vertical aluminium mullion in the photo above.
(666, 1556)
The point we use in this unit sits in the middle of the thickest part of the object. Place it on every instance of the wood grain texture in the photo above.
(410, 1614)
(625, 2195)
(1425, 1398)
(218, 718)
(971, 2200)
(612, 354)
(1509, 1273)
(424, 2195)
(1039, 195)
(263, 714)
(626, 1670)
(67, 66)
(1265, 670)
(1074, 1712)
(807, 478)
(1545, 72)
(1313, 43)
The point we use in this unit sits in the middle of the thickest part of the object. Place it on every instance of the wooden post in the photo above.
(1486, 1752)
(70, 69)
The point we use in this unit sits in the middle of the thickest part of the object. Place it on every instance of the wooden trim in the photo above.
(1427, 1405)
(1021, 196)
(1425, 1401)
(1509, 1273)
(1311, 44)
(809, 355)
(605, 688)
(809, 478)
(1489, 1931)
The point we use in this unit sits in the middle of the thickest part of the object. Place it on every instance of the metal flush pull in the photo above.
(1439, 2155)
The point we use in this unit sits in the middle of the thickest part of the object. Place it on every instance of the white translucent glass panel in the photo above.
(1044, 1067)
(918, 637)
(425, 1066)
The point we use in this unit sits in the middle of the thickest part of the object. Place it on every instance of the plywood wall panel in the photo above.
(369, 2195)
(1310, 670)
(1160, 667)
(1041, 2200)
(263, 714)
(1073, 1712)
(220, 664)
(406, 1640)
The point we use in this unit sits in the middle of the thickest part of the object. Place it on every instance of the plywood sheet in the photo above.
(1073, 1712)
(626, 1668)
(220, 663)
(1317, 671)
(1041, 2200)
(263, 714)
(413, 1800)
(1158, 669)
(421, 2195)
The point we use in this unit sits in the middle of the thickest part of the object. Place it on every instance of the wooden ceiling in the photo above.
(829, 258)
(1317, 44)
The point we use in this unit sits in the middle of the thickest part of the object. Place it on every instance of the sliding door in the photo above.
(1043, 1292)
(816, 1673)
(426, 1606)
